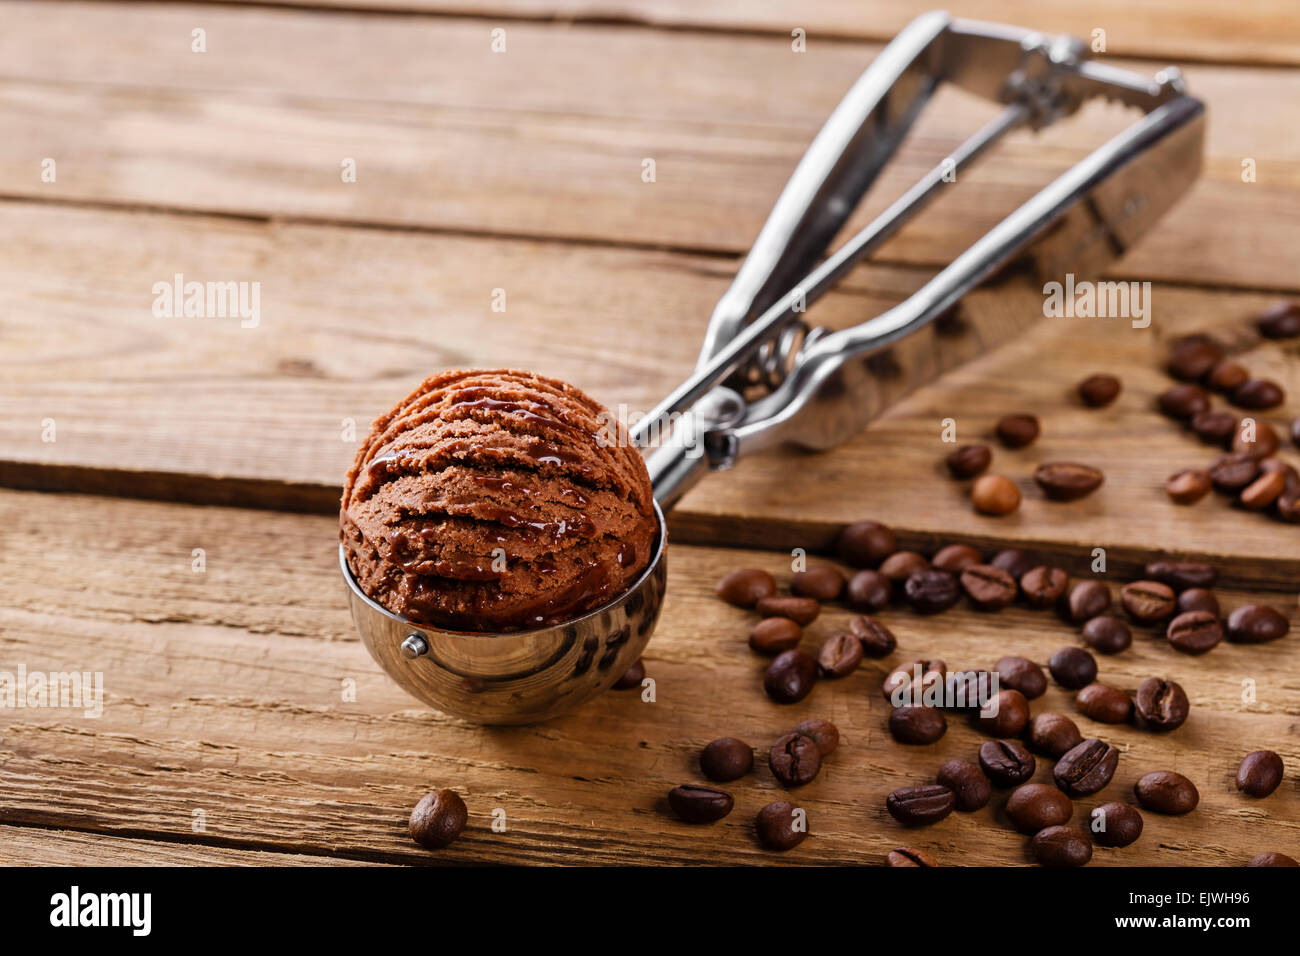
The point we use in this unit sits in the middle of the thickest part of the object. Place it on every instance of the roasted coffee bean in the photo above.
(1072, 668)
(1160, 705)
(995, 495)
(1281, 320)
(1006, 763)
(1233, 472)
(955, 558)
(1148, 602)
(1184, 402)
(794, 760)
(1260, 441)
(1067, 480)
(438, 819)
(908, 856)
(1107, 635)
(901, 684)
(877, 640)
(1290, 476)
(1115, 824)
(1098, 391)
(1226, 376)
(1086, 600)
(1011, 717)
(1043, 586)
(968, 461)
(839, 656)
(1181, 575)
(821, 732)
(726, 759)
(1105, 704)
(1194, 632)
(1086, 767)
(1013, 561)
(1263, 491)
(746, 586)
(803, 611)
(1258, 394)
(970, 788)
(989, 588)
(696, 804)
(931, 591)
(919, 806)
(1192, 359)
(1272, 859)
(1052, 734)
(1260, 773)
(1256, 624)
(781, 826)
(865, 544)
(631, 678)
(821, 583)
(1061, 846)
(772, 635)
(1022, 674)
(1189, 486)
(1017, 431)
(917, 725)
(901, 565)
(1167, 792)
(1287, 507)
(1215, 427)
(868, 591)
(790, 677)
(968, 690)
(1036, 806)
(1198, 599)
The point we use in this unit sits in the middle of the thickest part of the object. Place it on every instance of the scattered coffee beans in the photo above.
(1192, 359)
(1061, 846)
(1011, 717)
(931, 591)
(1215, 427)
(696, 804)
(839, 656)
(1194, 632)
(1072, 668)
(995, 495)
(1115, 824)
(438, 819)
(1263, 491)
(989, 588)
(908, 856)
(1226, 376)
(955, 558)
(1036, 806)
(1184, 402)
(868, 591)
(1260, 773)
(1233, 472)
(969, 786)
(794, 760)
(865, 544)
(1272, 859)
(772, 635)
(1104, 704)
(904, 679)
(631, 678)
(790, 677)
(746, 586)
(1052, 734)
(1167, 792)
(1013, 561)
(1189, 486)
(1107, 635)
(1160, 705)
(1281, 320)
(1198, 599)
(821, 583)
(1022, 674)
(802, 610)
(726, 759)
(1148, 602)
(1086, 767)
(1017, 431)
(919, 806)
(1006, 763)
(821, 732)
(917, 725)
(1181, 575)
(1259, 442)
(1043, 586)
(1087, 599)
(901, 565)
(1098, 391)
(1258, 394)
(968, 461)
(781, 826)
(1068, 481)
(1256, 624)
(877, 640)
(967, 690)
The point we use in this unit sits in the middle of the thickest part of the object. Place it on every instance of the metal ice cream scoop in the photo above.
(814, 388)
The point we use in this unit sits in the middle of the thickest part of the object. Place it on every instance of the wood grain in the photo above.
(33, 846)
(548, 139)
(223, 693)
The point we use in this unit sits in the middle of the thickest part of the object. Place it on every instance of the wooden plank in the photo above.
(549, 138)
(223, 693)
(33, 846)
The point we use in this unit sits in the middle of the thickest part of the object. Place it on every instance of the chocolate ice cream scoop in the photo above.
(496, 501)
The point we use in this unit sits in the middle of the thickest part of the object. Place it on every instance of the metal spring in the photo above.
(776, 359)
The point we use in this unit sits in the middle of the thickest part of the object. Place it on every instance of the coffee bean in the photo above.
(901, 565)
(908, 856)
(746, 586)
(1043, 586)
(1258, 394)
(1290, 476)
(1189, 486)
(696, 804)
(1052, 734)
(821, 732)
(1107, 635)
(968, 461)
(917, 725)
(802, 610)
(781, 826)
(931, 591)
(1233, 472)
(1099, 390)
(1036, 806)
(919, 806)
(1022, 674)
(794, 760)
(790, 677)
(1086, 600)
(995, 495)
(1272, 859)
(1281, 320)
(1115, 824)
(908, 682)
(1260, 773)
(1017, 431)
(968, 690)
(865, 544)
(1167, 792)
(868, 591)
(726, 759)
(1086, 767)
(989, 588)
(1011, 717)
(1072, 667)
(1226, 376)
(1198, 599)
(839, 656)
(772, 635)
(1194, 632)
(821, 583)
(631, 678)
(969, 786)
(1259, 441)
(955, 558)
(1181, 575)
(1184, 402)
(1104, 704)
(438, 819)
(1295, 431)
(1160, 705)
(1215, 427)
(1067, 480)
(1287, 507)
(1061, 846)
(1148, 602)
(1192, 359)
(877, 640)
(1263, 491)
(1256, 624)
(1013, 561)
(1006, 762)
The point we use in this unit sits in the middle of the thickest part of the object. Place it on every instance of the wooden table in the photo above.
(178, 533)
